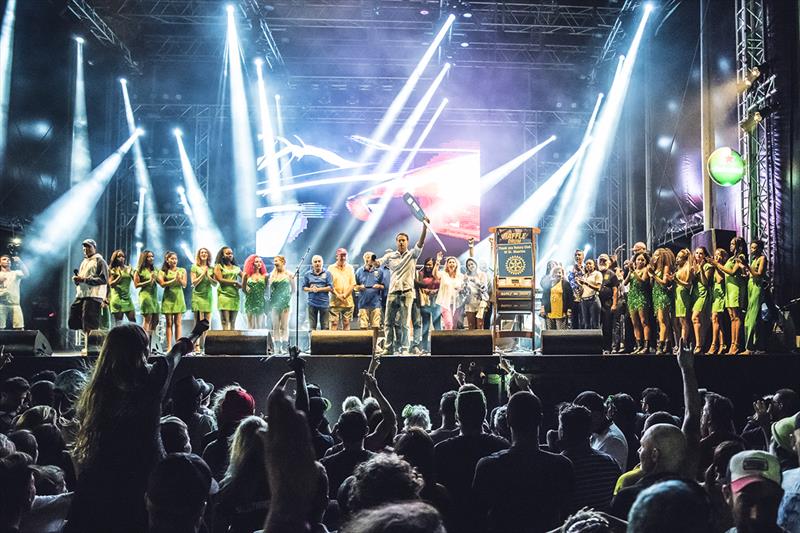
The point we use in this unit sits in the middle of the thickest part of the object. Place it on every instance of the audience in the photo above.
(523, 488)
(136, 470)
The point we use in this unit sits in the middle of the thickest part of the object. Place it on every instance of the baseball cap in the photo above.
(89, 242)
(341, 251)
(751, 466)
(782, 432)
(602, 257)
(181, 480)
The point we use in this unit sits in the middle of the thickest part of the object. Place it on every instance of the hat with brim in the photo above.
(753, 466)
(782, 432)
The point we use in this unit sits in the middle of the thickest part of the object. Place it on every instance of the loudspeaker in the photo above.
(461, 342)
(356, 342)
(25, 343)
(713, 239)
(572, 342)
(236, 342)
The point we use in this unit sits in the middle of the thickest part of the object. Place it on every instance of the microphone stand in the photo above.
(297, 301)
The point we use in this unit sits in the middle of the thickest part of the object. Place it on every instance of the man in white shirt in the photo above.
(91, 283)
(402, 265)
(9, 291)
(606, 436)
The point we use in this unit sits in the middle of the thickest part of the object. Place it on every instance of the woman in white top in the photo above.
(451, 281)
(590, 302)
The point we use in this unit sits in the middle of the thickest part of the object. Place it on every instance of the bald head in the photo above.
(663, 449)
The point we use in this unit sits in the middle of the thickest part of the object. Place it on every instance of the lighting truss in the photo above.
(84, 12)
(616, 36)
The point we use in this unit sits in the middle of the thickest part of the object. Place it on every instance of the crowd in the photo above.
(648, 303)
(124, 448)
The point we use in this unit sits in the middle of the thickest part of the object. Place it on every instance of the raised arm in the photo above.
(301, 400)
(692, 407)
(471, 242)
(387, 428)
(424, 233)
(22, 266)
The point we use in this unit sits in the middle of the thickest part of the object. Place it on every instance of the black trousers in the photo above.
(606, 323)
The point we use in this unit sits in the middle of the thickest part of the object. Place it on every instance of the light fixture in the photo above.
(79, 39)
(177, 132)
(750, 123)
(465, 45)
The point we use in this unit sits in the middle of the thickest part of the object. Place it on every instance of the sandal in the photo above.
(712, 350)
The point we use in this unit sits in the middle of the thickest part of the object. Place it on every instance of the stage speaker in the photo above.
(236, 342)
(25, 343)
(713, 239)
(356, 342)
(461, 342)
(572, 342)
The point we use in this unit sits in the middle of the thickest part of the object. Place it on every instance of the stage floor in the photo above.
(422, 379)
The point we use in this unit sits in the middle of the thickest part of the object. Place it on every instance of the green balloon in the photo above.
(726, 167)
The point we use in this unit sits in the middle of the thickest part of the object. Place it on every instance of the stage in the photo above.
(422, 379)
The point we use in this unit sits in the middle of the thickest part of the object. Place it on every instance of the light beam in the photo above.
(6, 57)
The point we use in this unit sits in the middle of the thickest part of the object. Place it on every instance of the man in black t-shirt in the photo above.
(609, 292)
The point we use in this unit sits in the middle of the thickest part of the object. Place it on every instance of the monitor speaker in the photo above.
(356, 342)
(462, 342)
(25, 343)
(239, 342)
(572, 342)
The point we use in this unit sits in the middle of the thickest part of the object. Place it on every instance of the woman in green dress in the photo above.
(719, 344)
(281, 286)
(227, 274)
(120, 277)
(254, 285)
(144, 279)
(755, 295)
(735, 297)
(662, 272)
(173, 305)
(703, 279)
(684, 282)
(638, 282)
(202, 274)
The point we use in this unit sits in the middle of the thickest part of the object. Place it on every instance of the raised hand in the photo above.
(460, 376)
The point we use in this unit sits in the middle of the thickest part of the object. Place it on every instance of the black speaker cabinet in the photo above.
(235, 342)
(25, 343)
(461, 342)
(572, 342)
(356, 342)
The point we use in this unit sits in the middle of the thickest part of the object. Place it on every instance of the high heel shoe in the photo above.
(723, 349)
(712, 350)
(735, 350)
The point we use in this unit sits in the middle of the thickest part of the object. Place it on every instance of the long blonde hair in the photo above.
(247, 449)
(117, 373)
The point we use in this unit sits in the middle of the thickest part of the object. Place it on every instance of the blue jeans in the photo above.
(431, 316)
(398, 305)
(318, 316)
(590, 312)
(416, 324)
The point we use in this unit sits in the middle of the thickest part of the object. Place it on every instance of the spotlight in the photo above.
(139, 132)
(16, 241)
(123, 81)
(177, 132)
(180, 190)
(142, 190)
(258, 61)
(80, 40)
(277, 97)
(467, 15)
(648, 7)
(230, 8)
(424, 12)
(751, 122)
(465, 45)
(139, 245)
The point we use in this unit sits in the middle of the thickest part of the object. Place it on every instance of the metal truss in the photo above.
(592, 225)
(615, 37)
(614, 198)
(84, 12)
(761, 185)
(170, 221)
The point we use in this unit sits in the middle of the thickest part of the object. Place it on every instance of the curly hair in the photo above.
(221, 254)
(197, 257)
(382, 479)
(250, 267)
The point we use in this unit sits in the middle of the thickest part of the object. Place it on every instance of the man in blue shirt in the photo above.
(317, 282)
(369, 284)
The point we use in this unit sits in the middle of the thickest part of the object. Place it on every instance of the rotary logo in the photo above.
(515, 265)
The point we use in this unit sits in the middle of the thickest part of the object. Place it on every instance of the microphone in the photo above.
(75, 271)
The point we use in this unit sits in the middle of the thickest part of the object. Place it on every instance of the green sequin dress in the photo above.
(683, 300)
(255, 300)
(637, 295)
(718, 302)
(661, 297)
(172, 301)
(280, 294)
(755, 297)
(701, 299)
(228, 295)
(734, 287)
(201, 293)
(119, 297)
(148, 294)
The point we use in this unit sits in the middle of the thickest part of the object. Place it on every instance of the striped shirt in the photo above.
(596, 474)
(403, 267)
